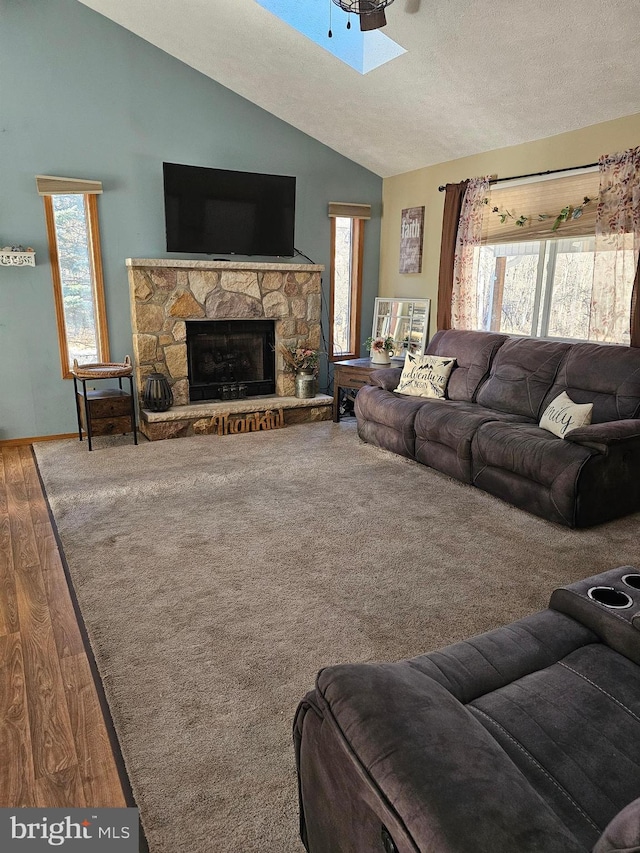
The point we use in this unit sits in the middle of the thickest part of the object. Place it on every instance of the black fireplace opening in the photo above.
(230, 359)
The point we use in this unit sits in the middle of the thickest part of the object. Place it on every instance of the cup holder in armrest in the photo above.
(610, 597)
(607, 606)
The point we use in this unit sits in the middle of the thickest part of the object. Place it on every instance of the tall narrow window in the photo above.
(76, 267)
(347, 247)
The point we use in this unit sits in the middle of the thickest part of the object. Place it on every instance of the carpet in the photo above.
(216, 575)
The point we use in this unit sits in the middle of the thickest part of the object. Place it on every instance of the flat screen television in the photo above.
(217, 211)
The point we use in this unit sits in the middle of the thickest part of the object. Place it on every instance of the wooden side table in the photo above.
(352, 373)
(106, 412)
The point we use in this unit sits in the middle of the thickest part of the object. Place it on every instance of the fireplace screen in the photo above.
(229, 359)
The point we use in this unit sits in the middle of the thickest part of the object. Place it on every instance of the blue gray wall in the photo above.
(82, 97)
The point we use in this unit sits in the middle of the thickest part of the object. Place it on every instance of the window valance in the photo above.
(50, 185)
(548, 197)
(349, 210)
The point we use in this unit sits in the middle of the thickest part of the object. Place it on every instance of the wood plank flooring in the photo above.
(54, 746)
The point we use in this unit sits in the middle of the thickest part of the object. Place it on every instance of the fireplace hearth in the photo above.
(230, 359)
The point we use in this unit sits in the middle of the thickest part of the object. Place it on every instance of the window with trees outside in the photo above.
(535, 277)
(76, 267)
(347, 246)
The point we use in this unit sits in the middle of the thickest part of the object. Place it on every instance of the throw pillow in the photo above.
(563, 415)
(425, 375)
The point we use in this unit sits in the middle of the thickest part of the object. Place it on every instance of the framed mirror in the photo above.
(405, 320)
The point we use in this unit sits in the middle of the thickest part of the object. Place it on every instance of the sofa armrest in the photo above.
(387, 378)
(433, 764)
(602, 437)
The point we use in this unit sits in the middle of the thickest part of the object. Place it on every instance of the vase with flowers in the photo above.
(381, 349)
(302, 361)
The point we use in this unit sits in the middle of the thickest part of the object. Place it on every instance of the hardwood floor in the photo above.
(54, 746)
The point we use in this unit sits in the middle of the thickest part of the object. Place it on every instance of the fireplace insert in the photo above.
(229, 359)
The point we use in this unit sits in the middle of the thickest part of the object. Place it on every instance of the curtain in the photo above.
(466, 302)
(454, 194)
(615, 274)
(635, 310)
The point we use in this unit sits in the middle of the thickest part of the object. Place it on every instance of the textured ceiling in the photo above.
(477, 75)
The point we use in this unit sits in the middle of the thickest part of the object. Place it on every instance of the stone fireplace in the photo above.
(167, 293)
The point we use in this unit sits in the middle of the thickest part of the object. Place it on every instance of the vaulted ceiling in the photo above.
(477, 74)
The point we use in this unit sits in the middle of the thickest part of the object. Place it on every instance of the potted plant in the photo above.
(302, 361)
(381, 349)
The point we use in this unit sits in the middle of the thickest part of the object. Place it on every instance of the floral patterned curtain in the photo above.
(466, 306)
(617, 247)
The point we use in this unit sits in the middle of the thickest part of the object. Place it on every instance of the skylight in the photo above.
(362, 51)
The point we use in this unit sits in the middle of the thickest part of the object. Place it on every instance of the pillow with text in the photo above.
(425, 375)
(563, 415)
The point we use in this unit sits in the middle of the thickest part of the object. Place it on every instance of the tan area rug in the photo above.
(216, 575)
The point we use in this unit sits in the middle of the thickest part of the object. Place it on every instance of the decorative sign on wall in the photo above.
(411, 233)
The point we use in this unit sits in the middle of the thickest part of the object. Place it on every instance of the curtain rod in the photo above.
(442, 188)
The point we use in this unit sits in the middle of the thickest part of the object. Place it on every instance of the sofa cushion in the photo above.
(573, 730)
(607, 376)
(454, 423)
(386, 419)
(529, 451)
(444, 432)
(531, 469)
(562, 415)
(522, 373)
(473, 352)
(425, 375)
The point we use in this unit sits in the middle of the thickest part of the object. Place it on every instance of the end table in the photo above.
(105, 412)
(351, 373)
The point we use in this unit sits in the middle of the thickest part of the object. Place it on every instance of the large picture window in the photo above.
(553, 257)
(535, 272)
(76, 267)
(347, 247)
(540, 288)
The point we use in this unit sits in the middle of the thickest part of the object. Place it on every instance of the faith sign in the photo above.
(411, 234)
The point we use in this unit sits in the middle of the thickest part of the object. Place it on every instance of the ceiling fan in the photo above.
(371, 12)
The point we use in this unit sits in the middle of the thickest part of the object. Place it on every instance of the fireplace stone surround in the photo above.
(167, 292)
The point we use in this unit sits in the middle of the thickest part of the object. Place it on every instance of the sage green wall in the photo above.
(82, 97)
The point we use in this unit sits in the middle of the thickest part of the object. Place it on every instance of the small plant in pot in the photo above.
(381, 349)
(304, 363)
(298, 359)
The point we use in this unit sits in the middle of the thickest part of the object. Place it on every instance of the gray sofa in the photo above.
(522, 740)
(486, 431)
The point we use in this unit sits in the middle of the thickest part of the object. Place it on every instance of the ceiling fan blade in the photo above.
(412, 6)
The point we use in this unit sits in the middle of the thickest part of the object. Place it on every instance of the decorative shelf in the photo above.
(17, 259)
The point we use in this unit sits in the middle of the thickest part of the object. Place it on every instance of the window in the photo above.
(540, 288)
(347, 246)
(534, 280)
(76, 267)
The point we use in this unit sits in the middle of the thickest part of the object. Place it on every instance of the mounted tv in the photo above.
(216, 211)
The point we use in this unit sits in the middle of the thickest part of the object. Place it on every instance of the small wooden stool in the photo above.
(104, 412)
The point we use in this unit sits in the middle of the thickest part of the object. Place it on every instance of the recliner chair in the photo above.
(525, 739)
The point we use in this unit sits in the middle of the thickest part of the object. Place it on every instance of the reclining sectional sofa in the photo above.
(485, 432)
(522, 740)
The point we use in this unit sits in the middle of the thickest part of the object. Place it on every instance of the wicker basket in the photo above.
(102, 370)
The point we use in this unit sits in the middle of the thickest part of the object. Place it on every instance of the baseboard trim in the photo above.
(20, 442)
